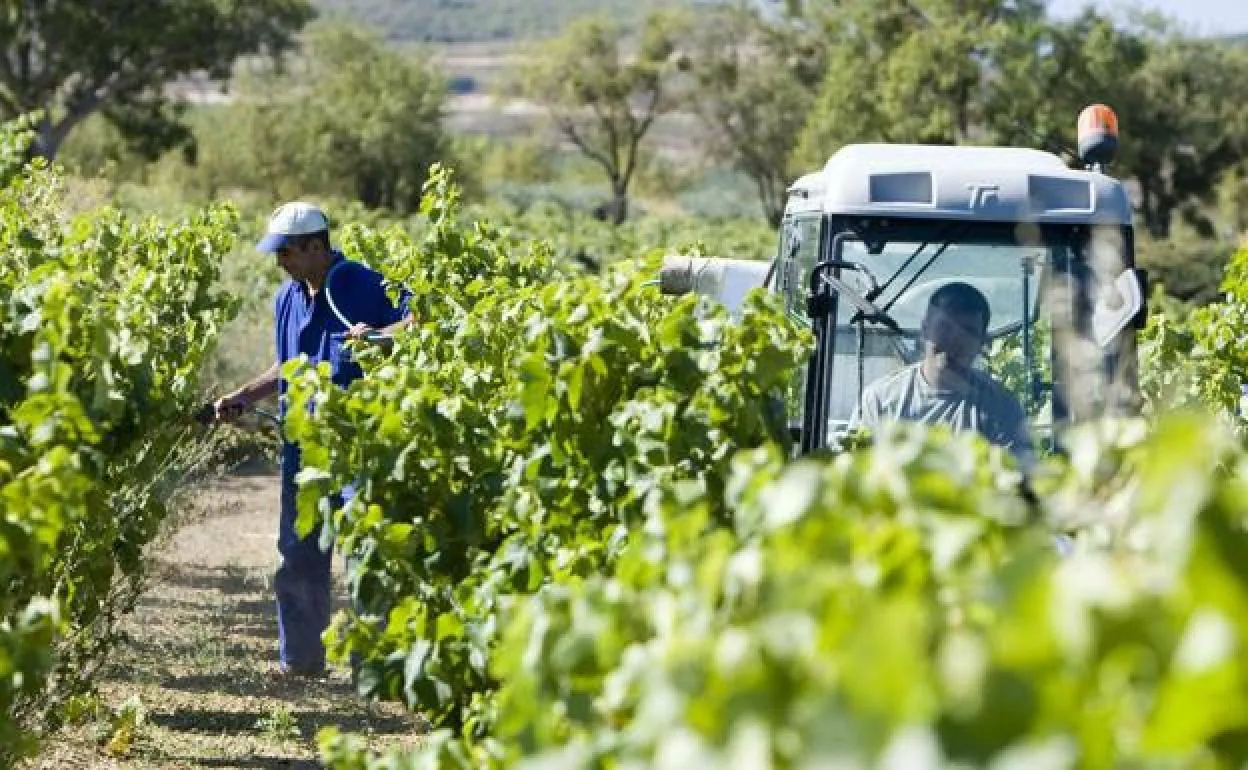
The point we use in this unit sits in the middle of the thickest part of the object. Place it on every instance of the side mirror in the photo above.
(1119, 304)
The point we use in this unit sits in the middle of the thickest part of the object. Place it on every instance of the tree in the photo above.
(604, 97)
(351, 118)
(1181, 104)
(1184, 130)
(1000, 72)
(68, 60)
(1052, 72)
(752, 87)
(904, 71)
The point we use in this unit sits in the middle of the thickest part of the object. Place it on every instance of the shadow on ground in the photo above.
(308, 722)
(227, 580)
(200, 644)
(251, 763)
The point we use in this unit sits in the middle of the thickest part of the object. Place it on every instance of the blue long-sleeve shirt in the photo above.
(307, 325)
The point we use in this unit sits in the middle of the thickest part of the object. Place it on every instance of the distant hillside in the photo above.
(465, 21)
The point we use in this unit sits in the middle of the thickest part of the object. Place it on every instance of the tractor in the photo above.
(868, 238)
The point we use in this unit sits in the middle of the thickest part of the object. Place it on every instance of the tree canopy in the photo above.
(1002, 72)
(349, 117)
(752, 83)
(604, 91)
(69, 60)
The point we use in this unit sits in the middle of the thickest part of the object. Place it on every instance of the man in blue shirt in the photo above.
(327, 298)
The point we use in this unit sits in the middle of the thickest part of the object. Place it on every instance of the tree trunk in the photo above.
(772, 193)
(47, 139)
(617, 209)
(50, 135)
(1156, 221)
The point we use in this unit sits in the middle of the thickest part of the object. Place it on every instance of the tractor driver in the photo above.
(944, 387)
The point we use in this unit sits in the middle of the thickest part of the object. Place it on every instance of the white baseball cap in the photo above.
(292, 220)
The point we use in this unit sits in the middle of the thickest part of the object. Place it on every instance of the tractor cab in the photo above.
(868, 239)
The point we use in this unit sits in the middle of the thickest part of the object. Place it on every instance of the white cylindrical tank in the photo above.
(727, 280)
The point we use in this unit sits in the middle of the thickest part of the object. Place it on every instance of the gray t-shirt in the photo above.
(985, 405)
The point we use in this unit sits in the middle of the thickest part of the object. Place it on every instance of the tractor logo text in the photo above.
(983, 195)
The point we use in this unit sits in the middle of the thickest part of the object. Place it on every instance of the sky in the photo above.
(1203, 17)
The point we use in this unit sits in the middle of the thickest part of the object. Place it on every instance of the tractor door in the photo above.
(800, 246)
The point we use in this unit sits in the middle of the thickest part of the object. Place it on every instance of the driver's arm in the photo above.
(1022, 447)
(867, 412)
(1012, 430)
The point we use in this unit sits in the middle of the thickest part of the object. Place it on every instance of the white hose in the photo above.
(329, 297)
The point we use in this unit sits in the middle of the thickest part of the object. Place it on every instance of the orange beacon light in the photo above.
(1098, 135)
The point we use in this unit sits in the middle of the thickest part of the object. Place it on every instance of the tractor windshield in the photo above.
(882, 280)
(908, 273)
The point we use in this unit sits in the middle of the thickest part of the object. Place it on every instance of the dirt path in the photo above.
(201, 641)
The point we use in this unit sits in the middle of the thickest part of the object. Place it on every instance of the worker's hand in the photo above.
(358, 331)
(230, 407)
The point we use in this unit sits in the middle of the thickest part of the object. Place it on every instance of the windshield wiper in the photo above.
(881, 289)
(865, 303)
(917, 274)
(952, 231)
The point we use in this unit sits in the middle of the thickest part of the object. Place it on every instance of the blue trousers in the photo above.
(302, 581)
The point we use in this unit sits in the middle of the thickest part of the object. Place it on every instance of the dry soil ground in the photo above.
(201, 642)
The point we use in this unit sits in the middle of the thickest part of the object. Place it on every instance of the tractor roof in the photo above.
(999, 184)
